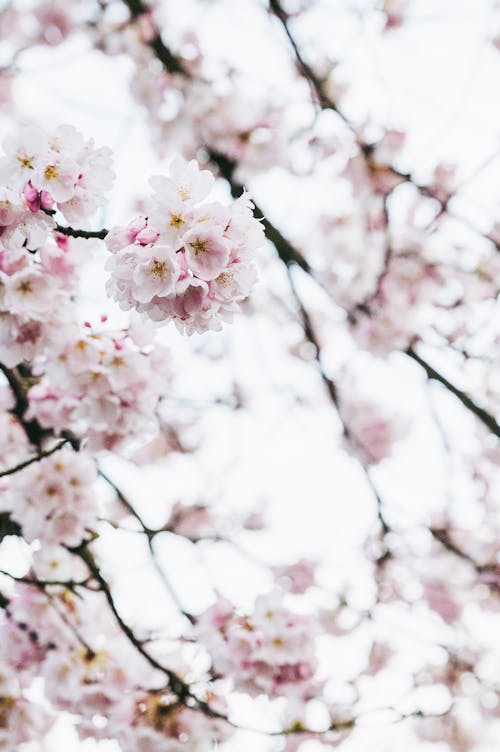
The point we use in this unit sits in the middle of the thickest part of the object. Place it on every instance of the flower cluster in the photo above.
(45, 22)
(297, 577)
(191, 111)
(34, 298)
(43, 172)
(401, 307)
(87, 681)
(53, 500)
(21, 720)
(272, 651)
(372, 430)
(159, 724)
(101, 386)
(15, 444)
(190, 260)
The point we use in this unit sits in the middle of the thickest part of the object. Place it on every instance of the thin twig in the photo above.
(36, 458)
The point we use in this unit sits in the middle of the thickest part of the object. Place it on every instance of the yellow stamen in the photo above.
(51, 172)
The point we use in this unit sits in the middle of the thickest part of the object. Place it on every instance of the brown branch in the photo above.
(87, 234)
(287, 253)
(176, 684)
(36, 458)
(171, 63)
(444, 538)
(331, 388)
(316, 85)
(484, 416)
(8, 526)
(32, 428)
(150, 535)
(43, 584)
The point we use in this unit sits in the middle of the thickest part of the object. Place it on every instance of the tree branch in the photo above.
(172, 63)
(42, 584)
(87, 234)
(177, 685)
(287, 253)
(484, 416)
(150, 535)
(36, 458)
(33, 429)
(8, 526)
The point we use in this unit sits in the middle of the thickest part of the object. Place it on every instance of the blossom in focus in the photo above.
(189, 262)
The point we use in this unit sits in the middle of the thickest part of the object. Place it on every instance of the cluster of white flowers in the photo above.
(34, 292)
(401, 307)
(21, 720)
(190, 261)
(53, 500)
(101, 386)
(43, 172)
(158, 724)
(272, 651)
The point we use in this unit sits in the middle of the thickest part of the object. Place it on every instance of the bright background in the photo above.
(437, 78)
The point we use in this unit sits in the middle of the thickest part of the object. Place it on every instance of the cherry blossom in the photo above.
(269, 651)
(54, 500)
(102, 387)
(136, 464)
(188, 262)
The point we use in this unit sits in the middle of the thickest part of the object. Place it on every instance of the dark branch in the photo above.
(150, 534)
(8, 526)
(36, 458)
(177, 685)
(43, 584)
(32, 428)
(87, 234)
(484, 416)
(287, 253)
(170, 61)
(316, 85)
(446, 541)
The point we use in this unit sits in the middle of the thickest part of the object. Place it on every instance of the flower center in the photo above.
(51, 172)
(25, 161)
(199, 246)
(24, 287)
(176, 220)
(183, 193)
(158, 269)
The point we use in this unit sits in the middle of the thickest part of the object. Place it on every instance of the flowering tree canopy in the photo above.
(250, 390)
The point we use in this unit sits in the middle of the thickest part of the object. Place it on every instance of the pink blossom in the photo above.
(207, 252)
(53, 500)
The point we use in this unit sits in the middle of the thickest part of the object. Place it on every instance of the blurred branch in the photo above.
(32, 428)
(176, 684)
(36, 458)
(8, 526)
(484, 416)
(172, 64)
(150, 535)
